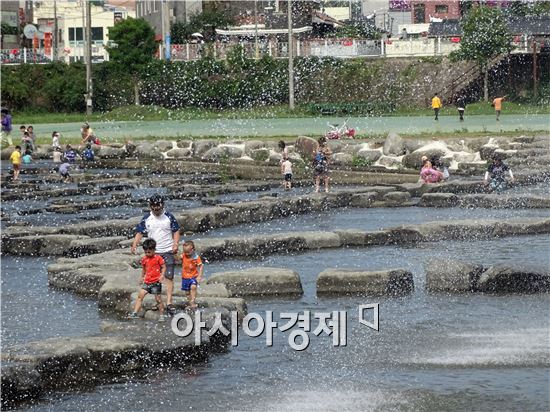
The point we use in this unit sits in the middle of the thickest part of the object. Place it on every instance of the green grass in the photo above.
(152, 113)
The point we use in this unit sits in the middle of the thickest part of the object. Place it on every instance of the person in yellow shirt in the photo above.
(15, 159)
(436, 105)
(497, 103)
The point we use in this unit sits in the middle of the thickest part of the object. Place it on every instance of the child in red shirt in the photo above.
(151, 277)
(192, 272)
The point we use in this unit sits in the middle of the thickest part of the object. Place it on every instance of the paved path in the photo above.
(119, 131)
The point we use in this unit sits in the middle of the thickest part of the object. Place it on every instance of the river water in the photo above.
(433, 351)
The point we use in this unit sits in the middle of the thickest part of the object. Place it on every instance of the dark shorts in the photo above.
(186, 284)
(152, 288)
(288, 177)
(169, 261)
(16, 166)
(320, 172)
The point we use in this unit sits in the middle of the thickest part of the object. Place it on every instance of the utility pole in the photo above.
(162, 31)
(55, 31)
(290, 60)
(88, 47)
(257, 50)
(535, 85)
(166, 34)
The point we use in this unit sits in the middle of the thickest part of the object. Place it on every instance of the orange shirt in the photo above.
(190, 266)
(152, 266)
(498, 103)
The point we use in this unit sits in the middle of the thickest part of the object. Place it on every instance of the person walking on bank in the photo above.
(6, 127)
(461, 106)
(436, 106)
(497, 104)
(163, 228)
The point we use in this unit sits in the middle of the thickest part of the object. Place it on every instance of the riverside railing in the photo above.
(342, 48)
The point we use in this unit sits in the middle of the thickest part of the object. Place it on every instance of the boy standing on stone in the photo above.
(286, 170)
(16, 162)
(192, 272)
(152, 275)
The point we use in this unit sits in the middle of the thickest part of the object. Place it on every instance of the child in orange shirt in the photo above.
(192, 272)
(151, 279)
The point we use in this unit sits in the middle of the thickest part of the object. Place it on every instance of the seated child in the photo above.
(192, 272)
(428, 174)
(64, 171)
(27, 158)
(152, 275)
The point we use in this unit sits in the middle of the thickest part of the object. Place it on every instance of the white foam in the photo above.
(514, 348)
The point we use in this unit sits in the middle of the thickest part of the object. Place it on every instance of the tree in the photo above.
(484, 36)
(132, 46)
(204, 23)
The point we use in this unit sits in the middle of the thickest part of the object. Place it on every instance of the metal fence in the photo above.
(342, 48)
(18, 56)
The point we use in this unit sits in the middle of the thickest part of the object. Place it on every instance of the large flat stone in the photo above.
(352, 282)
(261, 281)
(446, 275)
(505, 279)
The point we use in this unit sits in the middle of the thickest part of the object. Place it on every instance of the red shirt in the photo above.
(152, 266)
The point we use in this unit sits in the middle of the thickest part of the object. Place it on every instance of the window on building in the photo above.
(419, 13)
(441, 8)
(75, 34)
(97, 34)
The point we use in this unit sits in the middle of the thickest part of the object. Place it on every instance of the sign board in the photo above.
(30, 31)
(48, 43)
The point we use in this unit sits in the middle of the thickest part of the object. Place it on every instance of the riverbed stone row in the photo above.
(395, 151)
(59, 364)
(452, 276)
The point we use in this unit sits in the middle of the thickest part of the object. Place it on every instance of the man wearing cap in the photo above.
(161, 226)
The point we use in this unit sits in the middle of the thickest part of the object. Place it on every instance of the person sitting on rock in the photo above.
(152, 275)
(192, 269)
(428, 174)
(438, 164)
(64, 169)
(497, 173)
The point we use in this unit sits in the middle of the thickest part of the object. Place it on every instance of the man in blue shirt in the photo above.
(163, 228)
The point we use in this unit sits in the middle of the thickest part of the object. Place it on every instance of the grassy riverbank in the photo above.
(154, 113)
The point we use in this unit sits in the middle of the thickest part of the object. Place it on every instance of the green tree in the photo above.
(132, 46)
(204, 23)
(485, 36)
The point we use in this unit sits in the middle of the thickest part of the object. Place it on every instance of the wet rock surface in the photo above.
(454, 277)
(342, 282)
(260, 281)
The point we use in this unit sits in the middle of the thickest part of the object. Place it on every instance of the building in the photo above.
(151, 11)
(70, 24)
(424, 11)
(15, 14)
